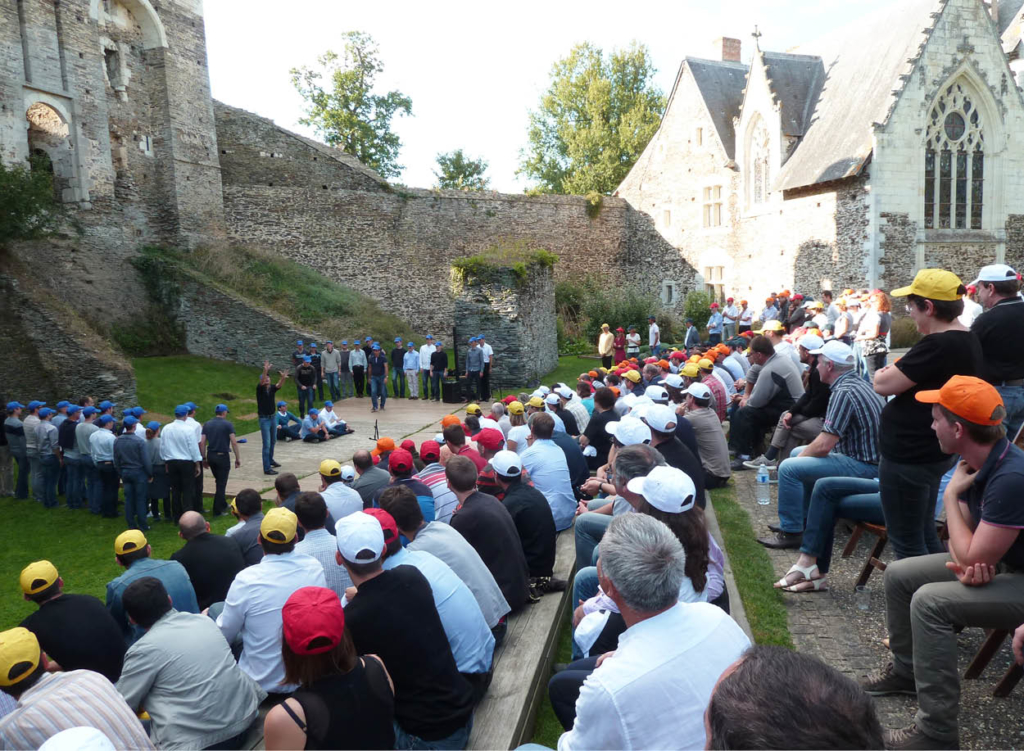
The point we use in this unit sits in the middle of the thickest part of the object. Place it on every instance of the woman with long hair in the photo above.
(873, 333)
(517, 435)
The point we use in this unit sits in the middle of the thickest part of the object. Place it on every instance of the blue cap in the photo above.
(192, 406)
(410, 344)
(479, 336)
(137, 411)
(307, 358)
(430, 336)
(181, 410)
(106, 405)
(46, 412)
(328, 342)
(357, 341)
(282, 404)
(343, 341)
(328, 404)
(299, 343)
(375, 346)
(105, 419)
(398, 339)
(312, 345)
(313, 413)
(153, 425)
(376, 342)
(220, 408)
(89, 411)
(472, 338)
(130, 420)
(35, 404)
(74, 409)
(63, 403)
(15, 405)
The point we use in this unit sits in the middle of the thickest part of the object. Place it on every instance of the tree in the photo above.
(341, 105)
(28, 208)
(593, 122)
(459, 172)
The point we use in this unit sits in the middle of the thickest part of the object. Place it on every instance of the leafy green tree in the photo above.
(593, 122)
(458, 172)
(28, 208)
(344, 110)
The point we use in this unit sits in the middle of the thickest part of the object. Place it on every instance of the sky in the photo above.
(474, 70)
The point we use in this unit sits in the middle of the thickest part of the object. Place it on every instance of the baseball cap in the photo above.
(400, 460)
(430, 336)
(773, 325)
(89, 411)
(968, 397)
(996, 272)
(666, 488)
(398, 340)
(473, 409)
(705, 364)
(328, 342)
(312, 615)
(36, 577)
(105, 420)
(629, 430)
(312, 345)
(307, 358)
(507, 464)
(348, 472)
(811, 342)
(375, 346)
(328, 403)
(15, 405)
(450, 420)
(565, 392)
(153, 425)
(103, 405)
(343, 341)
(279, 525)
(299, 342)
(632, 375)
(385, 444)
(662, 418)
(74, 409)
(430, 450)
(46, 412)
(220, 408)
(408, 444)
(35, 404)
(129, 542)
(490, 439)
(544, 390)
(313, 413)
(358, 341)
(386, 521)
(552, 399)
(63, 403)
(330, 468)
(674, 380)
(836, 351)
(689, 370)
(536, 402)
(656, 393)
(359, 538)
(713, 305)
(516, 408)
(698, 391)
(282, 403)
(933, 284)
(410, 344)
(19, 655)
(130, 420)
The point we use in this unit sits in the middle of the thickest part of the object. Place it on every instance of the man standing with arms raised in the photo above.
(266, 408)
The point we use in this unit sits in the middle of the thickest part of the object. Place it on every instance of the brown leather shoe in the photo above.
(912, 737)
(782, 540)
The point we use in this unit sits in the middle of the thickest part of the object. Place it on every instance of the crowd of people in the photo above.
(367, 614)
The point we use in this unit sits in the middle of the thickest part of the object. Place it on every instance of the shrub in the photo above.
(697, 307)
(28, 208)
(594, 203)
(516, 255)
(904, 332)
(619, 307)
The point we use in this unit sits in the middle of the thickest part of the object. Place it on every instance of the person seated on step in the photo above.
(283, 421)
(400, 467)
(846, 447)
(314, 430)
(336, 427)
(979, 582)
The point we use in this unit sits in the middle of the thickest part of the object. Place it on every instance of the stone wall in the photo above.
(518, 318)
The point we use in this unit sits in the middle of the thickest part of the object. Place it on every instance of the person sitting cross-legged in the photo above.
(314, 429)
(283, 420)
(182, 672)
(336, 427)
(979, 582)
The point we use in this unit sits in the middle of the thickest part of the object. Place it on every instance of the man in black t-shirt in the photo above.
(661, 420)
(531, 514)
(393, 616)
(1000, 329)
(211, 561)
(595, 434)
(438, 369)
(217, 442)
(317, 362)
(75, 631)
(266, 408)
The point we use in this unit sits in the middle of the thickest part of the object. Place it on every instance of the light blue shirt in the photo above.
(549, 470)
(308, 424)
(101, 445)
(411, 360)
(715, 323)
(357, 359)
(468, 634)
(734, 368)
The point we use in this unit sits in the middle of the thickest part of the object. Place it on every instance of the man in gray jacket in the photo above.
(474, 369)
(131, 460)
(779, 384)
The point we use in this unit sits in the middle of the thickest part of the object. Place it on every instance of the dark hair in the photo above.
(145, 601)
(311, 510)
(286, 484)
(945, 310)
(401, 503)
(248, 501)
(45, 594)
(473, 423)
(612, 380)
(692, 532)
(752, 707)
(983, 434)
(306, 670)
(604, 398)
(25, 683)
(330, 479)
(762, 345)
(127, 559)
(392, 546)
(276, 548)
(461, 474)
(826, 293)
(705, 402)
(1005, 288)
(542, 425)
(454, 434)
(363, 569)
(362, 459)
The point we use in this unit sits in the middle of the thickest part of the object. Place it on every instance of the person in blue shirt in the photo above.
(715, 325)
(411, 366)
(283, 421)
(313, 428)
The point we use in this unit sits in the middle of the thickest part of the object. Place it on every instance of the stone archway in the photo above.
(50, 147)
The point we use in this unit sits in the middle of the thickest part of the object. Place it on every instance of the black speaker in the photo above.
(451, 392)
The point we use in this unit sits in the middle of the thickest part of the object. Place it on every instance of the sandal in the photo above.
(808, 585)
(807, 573)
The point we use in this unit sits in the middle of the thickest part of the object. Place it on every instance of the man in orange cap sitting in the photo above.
(980, 582)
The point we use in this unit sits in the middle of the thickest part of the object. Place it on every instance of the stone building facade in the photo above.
(891, 145)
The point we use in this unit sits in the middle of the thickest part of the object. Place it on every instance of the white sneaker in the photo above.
(760, 461)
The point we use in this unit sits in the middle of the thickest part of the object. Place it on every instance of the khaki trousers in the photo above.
(803, 432)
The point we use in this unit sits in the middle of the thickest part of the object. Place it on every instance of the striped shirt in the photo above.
(445, 501)
(854, 413)
(80, 698)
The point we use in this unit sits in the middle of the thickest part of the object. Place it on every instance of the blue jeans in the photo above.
(1013, 401)
(73, 494)
(435, 385)
(347, 384)
(49, 470)
(797, 476)
(307, 399)
(398, 383)
(268, 434)
(136, 498)
(91, 481)
(425, 384)
(378, 389)
(35, 471)
(835, 498)
(21, 486)
(590, 528)
(457, 740)
(584, 586)
(332, 385)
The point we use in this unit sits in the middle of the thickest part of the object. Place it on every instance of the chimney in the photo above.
(994, 10)
(729, 48)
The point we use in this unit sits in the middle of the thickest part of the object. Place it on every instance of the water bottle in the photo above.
(764, 492)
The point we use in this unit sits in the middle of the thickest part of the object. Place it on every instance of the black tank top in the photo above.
(349, 711)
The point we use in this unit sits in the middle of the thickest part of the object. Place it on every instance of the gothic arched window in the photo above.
(758, 165)
(954, 162)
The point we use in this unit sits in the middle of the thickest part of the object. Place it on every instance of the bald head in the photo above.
(362, 460)
(191, 524)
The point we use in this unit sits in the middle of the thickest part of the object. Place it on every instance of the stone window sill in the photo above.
(960, 236)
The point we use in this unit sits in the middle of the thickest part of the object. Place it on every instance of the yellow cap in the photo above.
(934, 284)
(516, 408)
(233, 505)
(129, 542)
(694, 359)
(773, 325)
(36, 577)
(473, 409)
(535, 401)
(19, 655)
(632, 375)
(279, 525)
(689, 370)
(330, 468)
(705, 364)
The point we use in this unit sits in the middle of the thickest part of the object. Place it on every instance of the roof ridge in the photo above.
(710, 61)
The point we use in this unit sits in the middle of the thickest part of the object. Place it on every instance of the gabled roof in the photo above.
(721, 86)
(1011, 24)
(795, 82)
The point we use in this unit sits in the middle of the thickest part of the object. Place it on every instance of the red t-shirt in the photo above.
(473, 456)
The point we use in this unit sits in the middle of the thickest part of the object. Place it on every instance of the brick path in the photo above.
(829, 626)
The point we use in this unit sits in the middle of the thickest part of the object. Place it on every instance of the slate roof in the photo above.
(721, 85)
(795, 81)
(1011, 24)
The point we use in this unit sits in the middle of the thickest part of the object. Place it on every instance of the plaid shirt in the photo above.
(854, 412)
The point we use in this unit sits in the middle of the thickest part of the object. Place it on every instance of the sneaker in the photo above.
(886, 682)
(738, 465)
(782, 540)
(761, 461)
(912, 737)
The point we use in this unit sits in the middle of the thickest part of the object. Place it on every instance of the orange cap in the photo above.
(385, 444)
(450, 420)
(664, 364)
(592, 373)
(968, 397)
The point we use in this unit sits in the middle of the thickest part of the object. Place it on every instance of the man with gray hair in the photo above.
(651, 692)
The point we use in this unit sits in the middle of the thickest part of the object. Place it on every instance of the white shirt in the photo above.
(341, 500)
(971, 311)
(178, 441)
(320, 544)
(731, 314)
(785, 348)
(489, 422)
(425, 352)
(519, 434)
(330, 417)
(746, 317)
(653, 691)
(101, 445)
(652, 334)
(505, 424)
(549, 470)
(488, 351)
(253, 610)
(197, 427)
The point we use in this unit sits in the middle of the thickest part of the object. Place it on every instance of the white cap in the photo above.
(674, 380)
(439, 439)
(544, 390)
(487, 422)
(698, 390)
(666, 488)
(810, 342)
(598, 384)
(836, 351)
(661, 418)
(538, 393)
(629, 430)
(78, 739)
(656, 393)
(359, 533)
(348, 472)
(565, 392)
(552, 399)
(562, 385)
(630, 399)
(507, 464)
(997, 272)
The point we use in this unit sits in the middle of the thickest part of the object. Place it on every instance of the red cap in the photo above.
(430, 450)
(620, 329)
(508, 399)
(313, 613)
(409, 445)
(728, 299)
(400, 460)
(714, 305)
(376, 458)
(490, 439)
(387, 523)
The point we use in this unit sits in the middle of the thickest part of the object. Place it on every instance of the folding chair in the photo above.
(993, 641)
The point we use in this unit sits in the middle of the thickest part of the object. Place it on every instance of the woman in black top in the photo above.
(344, 701)
(912, 463)
(872, 333)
